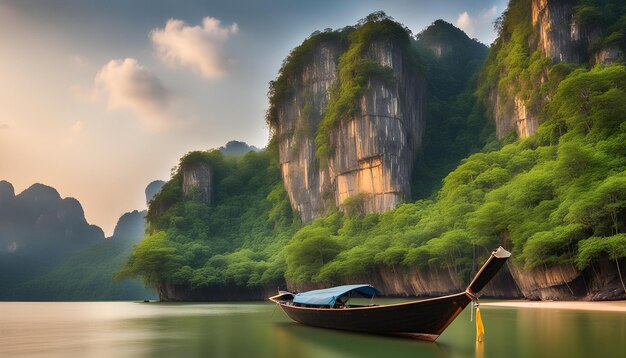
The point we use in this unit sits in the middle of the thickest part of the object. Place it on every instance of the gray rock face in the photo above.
(153, 189)
(608, 55)
(513, 116)
(559, 36)
(372, 153)
(307, 183)
(197, 178)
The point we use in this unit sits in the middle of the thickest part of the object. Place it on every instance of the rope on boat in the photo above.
(480, 328)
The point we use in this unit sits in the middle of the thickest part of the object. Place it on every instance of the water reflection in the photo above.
(303, 341)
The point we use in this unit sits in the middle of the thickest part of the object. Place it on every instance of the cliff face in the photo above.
(152, 189)
(432, 282)
(556, 34)
(176, 293)
(601, 281)
(560, 38)
(563, 39)
(197, 178)
(307, 183)
(372, 152)
(512, 116)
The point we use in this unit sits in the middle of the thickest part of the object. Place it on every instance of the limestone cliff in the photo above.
(374, 151)
(561, 31)
(307, 182)
(152, 190)
(371, 151)
(197, 178)
(560, 38)
(600, 281)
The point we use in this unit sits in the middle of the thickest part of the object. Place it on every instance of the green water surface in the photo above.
(128, 329)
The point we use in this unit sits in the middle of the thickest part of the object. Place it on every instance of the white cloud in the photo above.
(198, 47)
(480, 25)
(128, 85)
(77, 127)
(465, 23)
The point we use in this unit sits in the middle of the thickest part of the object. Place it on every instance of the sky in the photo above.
(99, 98)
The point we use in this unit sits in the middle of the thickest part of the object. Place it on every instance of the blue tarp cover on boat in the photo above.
(328, 296)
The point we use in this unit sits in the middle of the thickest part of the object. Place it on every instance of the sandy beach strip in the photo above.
(606, 306)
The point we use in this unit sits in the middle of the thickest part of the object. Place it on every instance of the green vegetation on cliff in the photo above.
(234, 241)
(356, 70)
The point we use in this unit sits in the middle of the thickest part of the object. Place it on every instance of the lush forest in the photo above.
(558, 196)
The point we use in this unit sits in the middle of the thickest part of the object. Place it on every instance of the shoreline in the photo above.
(603, 306)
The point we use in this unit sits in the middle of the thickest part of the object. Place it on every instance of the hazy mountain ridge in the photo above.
(50, 252)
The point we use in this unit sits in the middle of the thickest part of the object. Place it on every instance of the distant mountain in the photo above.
(87, 275)
(48, 251)
(152, 189)
(39, 225)
(236, 148)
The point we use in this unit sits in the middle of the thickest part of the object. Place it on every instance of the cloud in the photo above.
(128, 85)
(478, 26)
(198, 47)
(77, 127)
(465, 23)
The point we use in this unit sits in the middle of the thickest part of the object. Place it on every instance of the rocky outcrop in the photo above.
(512, 116)
(560, 38)
(372, 152)
(153, 189)
(197, 180)
(608, 55)
(600, 281)
(307, 182)
(403, 282)
(172, 293)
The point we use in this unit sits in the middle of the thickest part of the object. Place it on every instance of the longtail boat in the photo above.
(423, 319)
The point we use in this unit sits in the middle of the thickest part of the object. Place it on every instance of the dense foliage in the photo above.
(234, 240)
(608, 17)
(455, 121)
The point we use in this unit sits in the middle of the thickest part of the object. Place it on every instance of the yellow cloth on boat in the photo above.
(480, 329)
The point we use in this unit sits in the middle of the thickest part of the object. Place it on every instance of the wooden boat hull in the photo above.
(424, 320)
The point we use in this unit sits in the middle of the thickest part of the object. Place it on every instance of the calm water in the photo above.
(127, 329)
